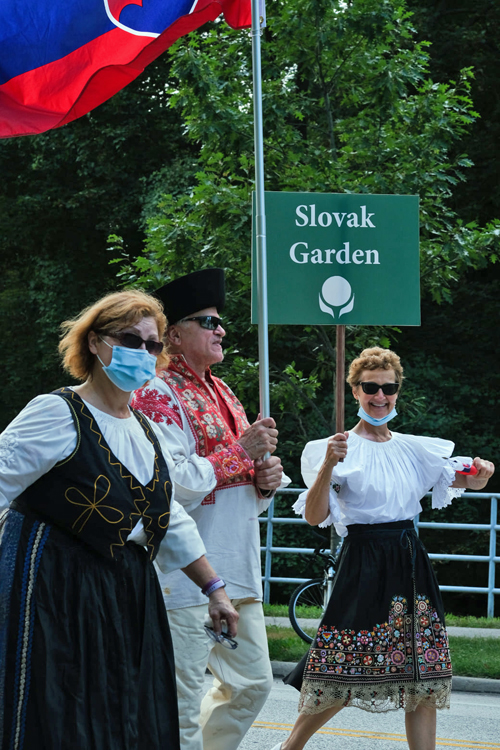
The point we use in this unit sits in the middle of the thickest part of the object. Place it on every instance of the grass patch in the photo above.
(276, 610)
(309, 612)
(285, 644)
(460, 621)
(475, 657)
(466, 621)
(281, 610)
(471, 657)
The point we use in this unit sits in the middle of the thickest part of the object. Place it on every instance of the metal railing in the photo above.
(492, 559)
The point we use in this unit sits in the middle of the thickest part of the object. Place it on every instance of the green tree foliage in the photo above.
(464, 33)
(355, 100)
(348, 106)
(61, 194)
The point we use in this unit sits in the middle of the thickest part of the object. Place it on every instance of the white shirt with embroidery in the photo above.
(44, 433)
(381, 482)
(229, 526)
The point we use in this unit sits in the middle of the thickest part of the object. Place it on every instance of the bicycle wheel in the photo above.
(311, 594)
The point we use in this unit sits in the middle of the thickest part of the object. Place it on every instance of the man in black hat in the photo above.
(223, 482)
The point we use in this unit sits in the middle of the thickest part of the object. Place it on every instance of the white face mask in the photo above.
(129, 369)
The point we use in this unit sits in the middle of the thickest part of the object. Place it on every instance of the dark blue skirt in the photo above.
(85, 652)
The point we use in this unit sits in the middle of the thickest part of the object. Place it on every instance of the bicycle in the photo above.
(314, 593)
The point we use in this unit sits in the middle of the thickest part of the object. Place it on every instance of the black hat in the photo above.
(196, 291)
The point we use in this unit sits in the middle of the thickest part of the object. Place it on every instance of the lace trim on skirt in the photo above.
(317, 696)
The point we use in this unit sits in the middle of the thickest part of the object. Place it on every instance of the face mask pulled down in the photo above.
(373, 420)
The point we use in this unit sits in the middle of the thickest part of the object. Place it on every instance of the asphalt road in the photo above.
(472, 723)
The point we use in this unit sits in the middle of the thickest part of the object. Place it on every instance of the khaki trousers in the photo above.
(242, 681)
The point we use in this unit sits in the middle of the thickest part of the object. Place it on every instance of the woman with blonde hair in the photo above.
(85, 652)
(382, 642)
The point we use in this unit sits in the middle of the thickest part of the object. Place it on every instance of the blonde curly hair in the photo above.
(108, 315)
(375, 358)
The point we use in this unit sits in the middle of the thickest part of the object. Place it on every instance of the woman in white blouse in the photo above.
(382, 643)
(85, 652)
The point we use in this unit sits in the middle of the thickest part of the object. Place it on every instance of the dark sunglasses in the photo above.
(210, 322)
(388, 389)
(223, 639)
(133, 341)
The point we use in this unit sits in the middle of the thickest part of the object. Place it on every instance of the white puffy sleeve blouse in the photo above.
(44, 433)
(381, 482)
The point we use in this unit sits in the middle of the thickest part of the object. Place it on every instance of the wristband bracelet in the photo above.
(213, 585)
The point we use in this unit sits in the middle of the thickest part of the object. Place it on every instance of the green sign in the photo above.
(336, 258)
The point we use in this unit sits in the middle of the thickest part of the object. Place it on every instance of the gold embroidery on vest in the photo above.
(93, 505)
(133, 482)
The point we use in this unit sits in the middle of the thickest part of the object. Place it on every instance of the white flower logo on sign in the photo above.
(336, 292)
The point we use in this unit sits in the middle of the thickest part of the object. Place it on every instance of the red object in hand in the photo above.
(469, 469)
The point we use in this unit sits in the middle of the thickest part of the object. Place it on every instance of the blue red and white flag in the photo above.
(61, 58)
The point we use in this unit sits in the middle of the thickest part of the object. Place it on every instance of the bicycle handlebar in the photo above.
(324, 552)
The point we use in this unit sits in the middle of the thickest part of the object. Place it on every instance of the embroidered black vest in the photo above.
(92, 495)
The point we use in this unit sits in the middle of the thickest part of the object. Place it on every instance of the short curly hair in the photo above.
(375, 358)
(108, 315)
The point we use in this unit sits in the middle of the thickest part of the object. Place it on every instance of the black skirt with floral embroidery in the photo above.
(382, 643)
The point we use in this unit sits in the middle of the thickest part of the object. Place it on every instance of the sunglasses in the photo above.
(210, 322)
(133, 341)
(223, 639)
(388, 389)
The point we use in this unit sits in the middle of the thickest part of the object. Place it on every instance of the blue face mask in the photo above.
(372, 420)
(129, 369)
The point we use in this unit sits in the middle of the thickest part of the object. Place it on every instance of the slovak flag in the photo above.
(61, 58)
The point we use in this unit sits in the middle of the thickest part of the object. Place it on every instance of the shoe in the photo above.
(277, 747)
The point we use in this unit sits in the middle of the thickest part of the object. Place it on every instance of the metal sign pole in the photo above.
(339, 406)
(260, 213)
